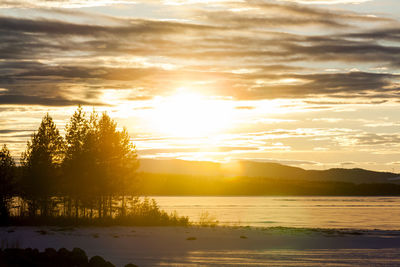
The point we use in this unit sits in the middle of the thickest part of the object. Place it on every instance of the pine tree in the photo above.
(75, 162)
(7, 182)
(99, 163)
(116, 161)
(41, 162)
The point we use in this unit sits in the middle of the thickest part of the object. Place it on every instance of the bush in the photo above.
(206, 219)
(148, 213)
(144, 212)
(50, 257)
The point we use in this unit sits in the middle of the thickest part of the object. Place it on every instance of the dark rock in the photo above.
(97, 261)
(64, 257)
(79, 257)
(50, 258)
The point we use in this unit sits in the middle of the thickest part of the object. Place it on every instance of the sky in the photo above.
(307, 83)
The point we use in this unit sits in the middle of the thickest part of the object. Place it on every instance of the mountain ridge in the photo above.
(258, 169)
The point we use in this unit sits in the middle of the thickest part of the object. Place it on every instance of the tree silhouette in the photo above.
(101, 159)
(95, 167)
(7, 182)
(41, 162)
(75, 163)
(115, 160)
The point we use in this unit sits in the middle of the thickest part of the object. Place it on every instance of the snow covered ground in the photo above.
(218, 246)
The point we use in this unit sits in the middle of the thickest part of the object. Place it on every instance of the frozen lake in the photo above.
(312, 212)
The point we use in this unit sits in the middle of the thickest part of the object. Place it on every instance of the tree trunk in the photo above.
(64, 206)
(100, 208)
(76, 208)
(110, 205)
(69, 209)
(104, 198)
(32, 208)
(123, 206)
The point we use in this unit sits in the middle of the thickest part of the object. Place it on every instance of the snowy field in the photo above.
(218, 246)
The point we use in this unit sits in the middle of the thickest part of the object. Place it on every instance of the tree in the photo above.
(7, 182)
(76, 134)
(75, 162)
(41, 162)
(99, 162)
(115, 160)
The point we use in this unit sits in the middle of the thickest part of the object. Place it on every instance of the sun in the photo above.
(190, 114)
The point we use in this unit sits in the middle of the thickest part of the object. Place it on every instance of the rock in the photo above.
(97, 261)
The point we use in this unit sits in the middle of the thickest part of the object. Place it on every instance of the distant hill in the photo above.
(264, 170)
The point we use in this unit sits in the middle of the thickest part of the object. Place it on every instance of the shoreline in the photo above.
(167, 245)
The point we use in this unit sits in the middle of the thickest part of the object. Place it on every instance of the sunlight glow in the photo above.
(190, 114)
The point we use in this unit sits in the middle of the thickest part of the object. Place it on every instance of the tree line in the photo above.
(88, 173)
(158, 184)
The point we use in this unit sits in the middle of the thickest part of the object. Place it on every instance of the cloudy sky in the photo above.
(309, 83)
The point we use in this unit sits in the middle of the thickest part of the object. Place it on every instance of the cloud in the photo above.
(94, 3)
(11, 131)
(329, 120)
(61, 3)
(249, 50)
(340, 85)
(327, 2)
(349, 163)
(130, 27)
(245, 107)
(223, 149)
(372, 139)
(36, 100)
(283, 161)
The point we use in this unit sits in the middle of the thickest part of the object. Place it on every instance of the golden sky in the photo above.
(308, 83)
